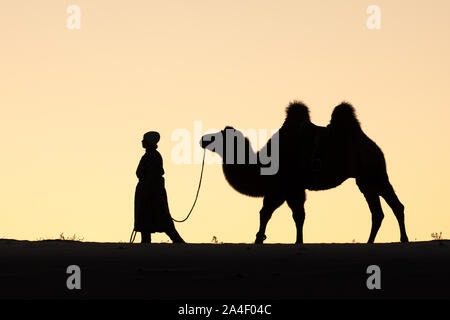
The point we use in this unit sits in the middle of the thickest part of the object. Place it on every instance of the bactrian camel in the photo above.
(309, 157)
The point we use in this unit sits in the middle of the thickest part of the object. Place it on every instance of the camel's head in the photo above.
(234, 148)
(210, 141)
(228, 143)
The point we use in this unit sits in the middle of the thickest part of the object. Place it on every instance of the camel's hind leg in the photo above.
(270, 204)
(297, 205)
(388, 193)
(371, 194)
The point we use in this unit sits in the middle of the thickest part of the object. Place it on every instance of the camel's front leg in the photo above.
(270, 204)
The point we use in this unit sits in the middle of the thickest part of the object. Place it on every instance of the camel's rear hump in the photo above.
(344, 116)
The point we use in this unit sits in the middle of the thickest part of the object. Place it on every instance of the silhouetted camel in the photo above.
(310, 157)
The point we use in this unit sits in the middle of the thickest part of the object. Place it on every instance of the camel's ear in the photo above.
(228, 127)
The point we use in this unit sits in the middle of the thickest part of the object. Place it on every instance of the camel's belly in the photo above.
(324, 182)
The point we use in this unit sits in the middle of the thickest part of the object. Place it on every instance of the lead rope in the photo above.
(133, 233)
(133, 236)
(198, 190)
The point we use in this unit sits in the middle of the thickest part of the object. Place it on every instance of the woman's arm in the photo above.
(140, 172)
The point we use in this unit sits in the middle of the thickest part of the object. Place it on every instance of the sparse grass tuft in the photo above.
(72, 238)
(62, 237)
(215, 241)
(436, 236)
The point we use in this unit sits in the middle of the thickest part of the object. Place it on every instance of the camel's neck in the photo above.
(245, 178)
(245, 175)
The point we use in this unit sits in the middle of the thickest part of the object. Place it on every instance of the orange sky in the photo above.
(75, 103)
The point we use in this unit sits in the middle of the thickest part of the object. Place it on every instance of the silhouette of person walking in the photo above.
(151, 208)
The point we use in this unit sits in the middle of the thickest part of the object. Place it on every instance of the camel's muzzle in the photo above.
(206, 140)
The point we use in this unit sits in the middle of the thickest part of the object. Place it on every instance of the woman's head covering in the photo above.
(151, 138)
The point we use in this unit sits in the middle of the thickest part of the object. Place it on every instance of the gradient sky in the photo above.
(75, 103)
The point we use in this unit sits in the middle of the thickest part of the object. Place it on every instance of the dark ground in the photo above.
(37, 270)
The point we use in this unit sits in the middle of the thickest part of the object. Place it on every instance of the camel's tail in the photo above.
(296, 113)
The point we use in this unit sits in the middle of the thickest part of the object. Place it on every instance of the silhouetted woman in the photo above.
(151, 209)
